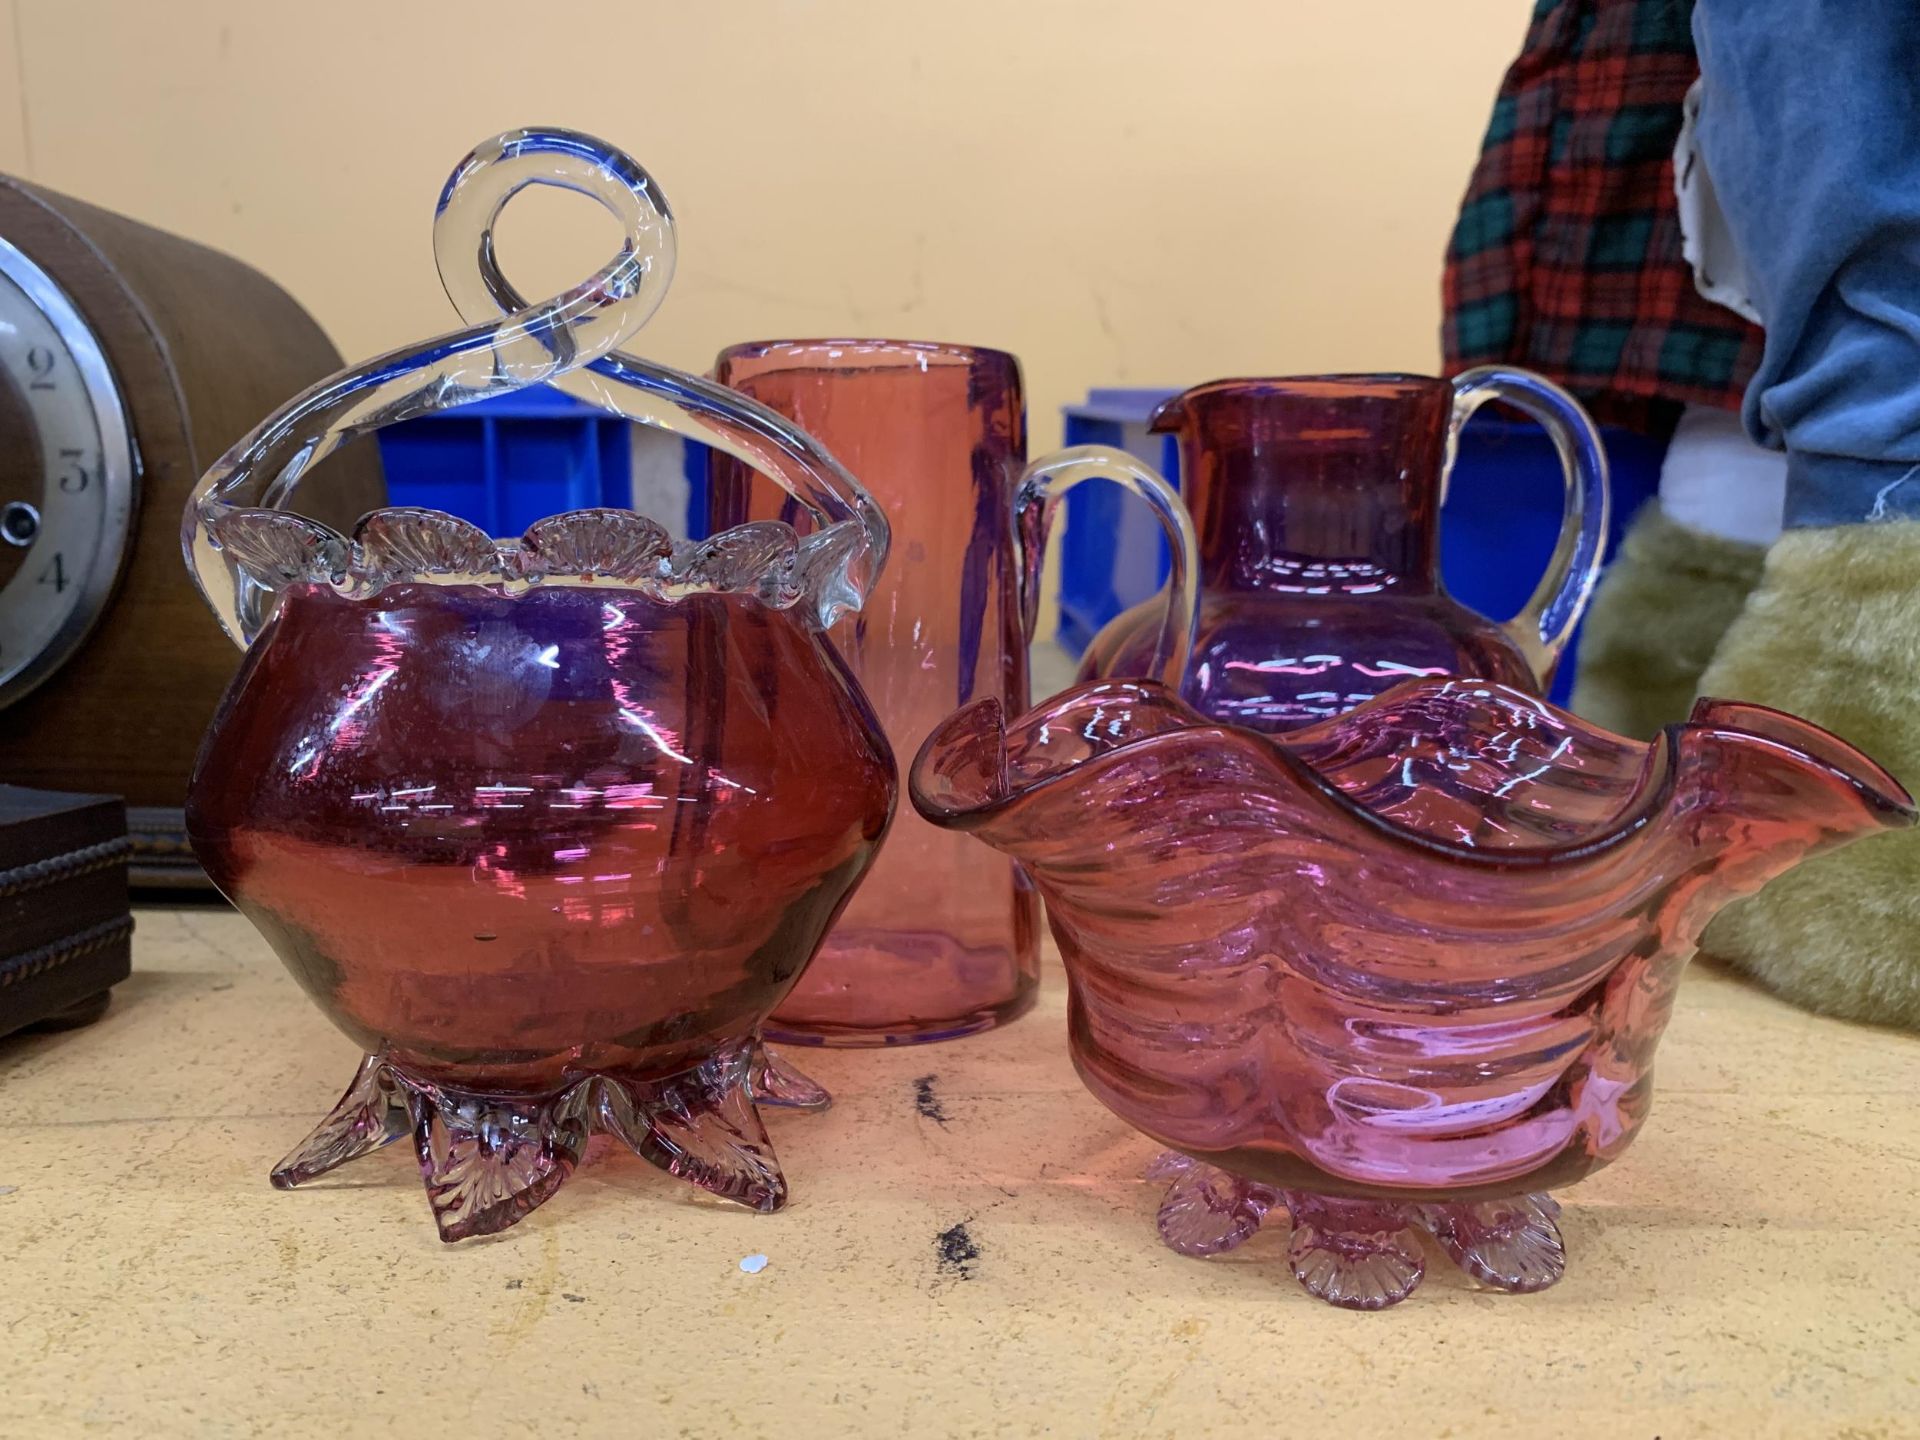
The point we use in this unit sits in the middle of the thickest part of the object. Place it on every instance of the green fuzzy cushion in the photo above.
(1656, 621)
(1833, 634)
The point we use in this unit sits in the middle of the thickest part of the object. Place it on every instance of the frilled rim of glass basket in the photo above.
(976, 743)
(766, 559)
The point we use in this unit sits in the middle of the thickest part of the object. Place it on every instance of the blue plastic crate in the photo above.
(1502, 516)
(509, 461)
(1497, 530)
(1112, 554)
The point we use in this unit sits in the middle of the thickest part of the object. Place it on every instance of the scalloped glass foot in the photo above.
(487, 1160)
(1511, 1244)
(774, 1081)
(1357, 1254)
(1362, 1254)
(1208, 1211)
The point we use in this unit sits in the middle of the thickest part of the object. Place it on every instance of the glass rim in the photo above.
(1657, 782)
(854, 353)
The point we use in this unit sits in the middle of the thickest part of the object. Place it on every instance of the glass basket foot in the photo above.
(487, 1160)
(371, 1114)
(1362, 1254)
(774, 1081)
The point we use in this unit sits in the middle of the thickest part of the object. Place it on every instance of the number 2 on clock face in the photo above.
(66, 476)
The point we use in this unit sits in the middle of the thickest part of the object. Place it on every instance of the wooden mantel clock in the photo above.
(129, 361)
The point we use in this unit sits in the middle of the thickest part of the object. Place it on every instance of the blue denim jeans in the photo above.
(1810, 127)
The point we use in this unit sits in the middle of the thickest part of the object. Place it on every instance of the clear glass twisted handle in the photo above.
(518, 344)
(846, 518)
(1038, 495)
(1545, 624)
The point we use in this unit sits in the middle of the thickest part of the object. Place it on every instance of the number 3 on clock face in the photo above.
(67, 477)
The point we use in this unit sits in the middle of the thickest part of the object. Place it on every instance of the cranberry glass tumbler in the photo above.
(942, 939)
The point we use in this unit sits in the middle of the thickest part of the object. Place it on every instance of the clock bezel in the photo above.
(119, 469)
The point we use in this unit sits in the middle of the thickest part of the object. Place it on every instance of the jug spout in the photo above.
(1766, 790)
(1300, 482)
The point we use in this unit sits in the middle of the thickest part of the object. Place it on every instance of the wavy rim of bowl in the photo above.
(1654, 788)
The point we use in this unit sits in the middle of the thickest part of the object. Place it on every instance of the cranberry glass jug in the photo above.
(547, 825)
(1316, 504)
(1403, 970)
(943, 937)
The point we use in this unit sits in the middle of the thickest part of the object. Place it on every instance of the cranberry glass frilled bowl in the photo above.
(1404, 969)
(547, 825)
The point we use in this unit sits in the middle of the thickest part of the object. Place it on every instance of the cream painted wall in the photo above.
(1121, 192)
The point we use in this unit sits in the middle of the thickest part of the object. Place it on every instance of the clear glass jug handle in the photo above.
(1038, 495)
(1542, 628)
(510, 343)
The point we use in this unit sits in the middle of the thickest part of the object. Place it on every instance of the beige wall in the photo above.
(1121, 192)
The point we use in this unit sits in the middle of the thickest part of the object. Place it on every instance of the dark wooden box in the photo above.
(65, 929)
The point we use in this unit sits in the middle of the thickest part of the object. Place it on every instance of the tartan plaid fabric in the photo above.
(1566, 257)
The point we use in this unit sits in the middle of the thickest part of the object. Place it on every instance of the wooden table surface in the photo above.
(1751, 1268)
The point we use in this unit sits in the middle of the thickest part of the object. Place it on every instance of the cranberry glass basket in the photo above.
(548, 825)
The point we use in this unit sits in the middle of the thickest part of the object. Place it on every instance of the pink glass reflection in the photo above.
(1316, 505)
(1402, 969)
(943, 937)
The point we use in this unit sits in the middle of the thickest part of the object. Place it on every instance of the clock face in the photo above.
(67, 477)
